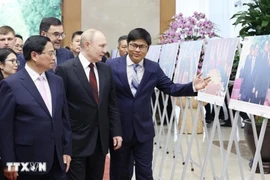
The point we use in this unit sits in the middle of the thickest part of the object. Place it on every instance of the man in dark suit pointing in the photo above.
(135, 79)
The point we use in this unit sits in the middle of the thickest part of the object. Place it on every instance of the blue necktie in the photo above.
(135, 80)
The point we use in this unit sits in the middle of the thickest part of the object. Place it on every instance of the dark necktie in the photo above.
(93, 82)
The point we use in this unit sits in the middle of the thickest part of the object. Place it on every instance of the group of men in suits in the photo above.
(71, 119)
(255, 74)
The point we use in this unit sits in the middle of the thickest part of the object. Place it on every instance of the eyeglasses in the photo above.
(50, 53)
(135, 46)
(58, 35)
(14, 61)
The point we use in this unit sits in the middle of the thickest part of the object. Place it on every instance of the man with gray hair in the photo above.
(122, 45)
(94, 115)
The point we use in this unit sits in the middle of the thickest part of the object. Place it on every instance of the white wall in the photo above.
(118, 17)
(218, 11)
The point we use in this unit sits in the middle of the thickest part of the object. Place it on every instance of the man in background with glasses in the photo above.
(122, 45)
(52, 28)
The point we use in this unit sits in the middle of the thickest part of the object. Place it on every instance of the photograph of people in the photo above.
(251, 86)
(188, 60)
(168, 58)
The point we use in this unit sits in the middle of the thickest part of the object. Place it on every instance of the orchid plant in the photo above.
(183, 28)
(190, 28)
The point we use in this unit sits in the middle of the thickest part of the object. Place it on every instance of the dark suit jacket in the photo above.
(62, 55)
(261, 69)
(89, 119)
(22, 61)
(28, 133)
(136, 112)
(249, 79)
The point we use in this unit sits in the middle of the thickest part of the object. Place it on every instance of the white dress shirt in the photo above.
(140, 70)
(85, 64)
(34, 76)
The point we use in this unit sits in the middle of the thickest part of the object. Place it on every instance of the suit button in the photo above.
(52, 135)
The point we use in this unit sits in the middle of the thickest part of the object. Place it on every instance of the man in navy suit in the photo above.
(135, 79)
(52, 28)
(34, 120)
(248, 75)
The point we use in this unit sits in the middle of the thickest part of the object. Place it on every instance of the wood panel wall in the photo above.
(167, 11)
(71, 18)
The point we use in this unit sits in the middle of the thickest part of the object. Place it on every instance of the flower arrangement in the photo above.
(183, 28)
(190, 28)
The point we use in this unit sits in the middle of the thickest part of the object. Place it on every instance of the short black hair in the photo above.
(4, 52)
(47, 22)
(19, 36)
(121, 38)
(35, 43)
(76, 33)
(139, 33)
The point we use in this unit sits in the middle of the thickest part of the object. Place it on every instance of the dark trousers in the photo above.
(2, 176)
(242, 114)
(88, 168)
(55, 173)
(143, 156)
(131, 166)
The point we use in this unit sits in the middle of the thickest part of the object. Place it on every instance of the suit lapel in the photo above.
(53, 88)
(101, 79)
(122, 73)
(28, 83)
(80, 73)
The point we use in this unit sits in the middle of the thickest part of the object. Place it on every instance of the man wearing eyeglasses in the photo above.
(122, 45)
(34, 120)
(52, 28)
(135, 78)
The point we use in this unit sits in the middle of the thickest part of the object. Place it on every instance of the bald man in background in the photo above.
(95, 120)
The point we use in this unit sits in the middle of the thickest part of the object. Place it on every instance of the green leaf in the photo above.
(265, 23)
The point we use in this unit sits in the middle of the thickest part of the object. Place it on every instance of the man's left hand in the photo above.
(200, 82)
(67, 160)
(117, 142)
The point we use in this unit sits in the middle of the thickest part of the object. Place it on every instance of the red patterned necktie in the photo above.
(93, 82)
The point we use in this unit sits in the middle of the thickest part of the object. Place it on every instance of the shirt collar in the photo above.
(84, 61)
(33, 74)
(130, 62)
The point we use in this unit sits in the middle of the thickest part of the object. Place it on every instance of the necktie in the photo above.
(134, 80)
(93, 81)
(43, 93)
(55, 63)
